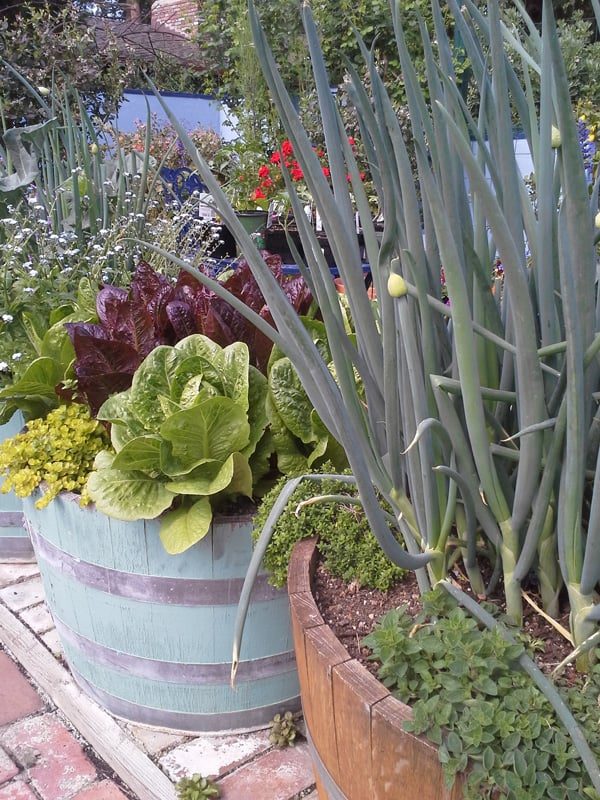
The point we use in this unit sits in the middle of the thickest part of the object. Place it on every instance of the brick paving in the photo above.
(42, 758)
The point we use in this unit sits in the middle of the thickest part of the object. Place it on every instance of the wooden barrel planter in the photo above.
(149, 635)
(354, 725)
(14, 540)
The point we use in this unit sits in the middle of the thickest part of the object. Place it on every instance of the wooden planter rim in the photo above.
(355, 726)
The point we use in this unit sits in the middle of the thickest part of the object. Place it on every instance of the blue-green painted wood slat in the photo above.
(136, 547)
(152, 633)
(14, 540)
(189, 698)
(141, 628)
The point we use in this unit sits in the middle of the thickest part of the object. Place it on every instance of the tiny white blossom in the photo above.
(7, 317)
(17, 356)
(3, 366)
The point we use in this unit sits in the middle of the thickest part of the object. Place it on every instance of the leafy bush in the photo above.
(184, 435)
(58, 450)
(349, 549)
(55, 46)
(156, 311)
(470, 698)
(164, 139)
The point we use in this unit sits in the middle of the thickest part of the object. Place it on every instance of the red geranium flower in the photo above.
(326, 172)
(264, 171)
(258, 194)
(296, 173)
(286, 147)
(267, 183)
(276, 157)
(351, 141)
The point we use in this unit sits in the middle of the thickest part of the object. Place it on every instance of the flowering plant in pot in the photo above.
(165, 146)
(477, 425)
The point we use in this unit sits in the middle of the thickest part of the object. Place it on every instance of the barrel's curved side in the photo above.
(355, 727)
(155, 647)
(14, 541)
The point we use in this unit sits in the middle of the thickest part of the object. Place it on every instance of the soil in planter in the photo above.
(352, 613)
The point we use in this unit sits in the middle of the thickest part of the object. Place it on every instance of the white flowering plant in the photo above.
(41, 270)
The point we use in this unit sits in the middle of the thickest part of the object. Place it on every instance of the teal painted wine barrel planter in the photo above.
(14, 541)
(149, 635)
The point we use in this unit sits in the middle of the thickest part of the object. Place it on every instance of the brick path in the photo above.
(42, 758)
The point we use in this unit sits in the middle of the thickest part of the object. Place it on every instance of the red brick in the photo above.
(57, 766)
(106, 790)
(278, 775)
(8, 769)
(17, 790)
(17, 697)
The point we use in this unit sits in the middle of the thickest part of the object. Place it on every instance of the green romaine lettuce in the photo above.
(183, 435)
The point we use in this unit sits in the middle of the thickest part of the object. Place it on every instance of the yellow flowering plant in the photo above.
(57, 451)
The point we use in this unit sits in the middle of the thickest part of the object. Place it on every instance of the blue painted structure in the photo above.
(14, 540)
(192, 110)
(148, 634)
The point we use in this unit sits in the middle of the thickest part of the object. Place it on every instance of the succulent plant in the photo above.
(196, 788)
(283, 730)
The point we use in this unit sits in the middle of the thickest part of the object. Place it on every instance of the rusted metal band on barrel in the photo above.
(11, 519)
(173, 672)
(177, 720)
(330, 786)
(151, 588)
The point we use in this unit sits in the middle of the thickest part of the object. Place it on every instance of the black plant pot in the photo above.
(276, 241)
(227, 247)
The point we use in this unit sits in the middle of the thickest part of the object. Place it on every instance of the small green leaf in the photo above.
(454, 743)
(488, 758)
(141, 453)
(128, 495)
(182, 528)
(520, 763)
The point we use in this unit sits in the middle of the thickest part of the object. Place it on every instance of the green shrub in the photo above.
(472, 700)
(349, 549)
(58, 450)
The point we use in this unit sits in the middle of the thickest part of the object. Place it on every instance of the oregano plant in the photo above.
(485, 715)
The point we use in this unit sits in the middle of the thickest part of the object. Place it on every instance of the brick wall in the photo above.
(180, 16)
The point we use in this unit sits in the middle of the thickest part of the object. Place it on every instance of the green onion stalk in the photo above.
(475, 419)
